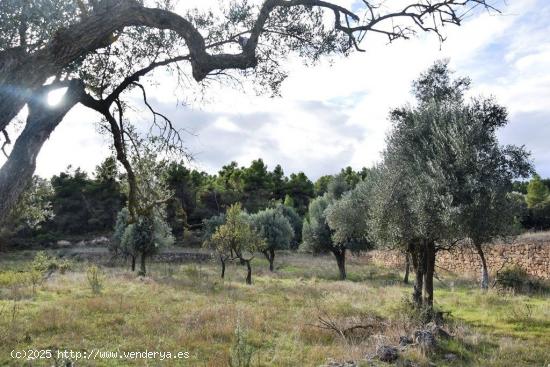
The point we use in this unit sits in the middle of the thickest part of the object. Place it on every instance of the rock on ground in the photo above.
(387, 353)
(425, 339)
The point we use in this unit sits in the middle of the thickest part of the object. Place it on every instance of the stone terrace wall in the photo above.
(534, 258)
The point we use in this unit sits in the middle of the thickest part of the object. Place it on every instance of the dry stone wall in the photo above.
(534, 258)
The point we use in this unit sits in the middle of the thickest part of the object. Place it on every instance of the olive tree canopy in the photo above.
(445, 178)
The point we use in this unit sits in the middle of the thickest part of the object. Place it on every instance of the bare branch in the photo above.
(7, 142)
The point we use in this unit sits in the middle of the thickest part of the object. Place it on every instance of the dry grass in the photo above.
(188, 308)
(534, 237)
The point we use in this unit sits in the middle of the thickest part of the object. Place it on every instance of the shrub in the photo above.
(43, 263)
(95, 279)
(35, 277)
(516, 279)
(115, 245)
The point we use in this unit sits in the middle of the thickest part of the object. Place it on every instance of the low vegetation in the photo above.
(280, 321)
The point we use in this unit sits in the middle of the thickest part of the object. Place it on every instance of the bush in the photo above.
(36, 277)
(43, 263)
(11, 278)
(516, 279)
(95, 279)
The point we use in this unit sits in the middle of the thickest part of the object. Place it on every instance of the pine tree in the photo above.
(537, 192)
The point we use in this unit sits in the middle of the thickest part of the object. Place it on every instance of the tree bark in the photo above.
(270, 256)
(407, 267)
(249, 272)
(484, 271)
(428, 292)
(143, 270)
(133, 263)
(17, 171)
(418, 266)
(222, 260)
(340, 256)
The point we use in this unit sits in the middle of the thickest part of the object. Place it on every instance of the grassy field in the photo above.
(188, 308)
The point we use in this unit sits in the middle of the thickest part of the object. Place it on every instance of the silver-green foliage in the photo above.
(274, 228)
(147, 235)
(115, 246)
(210, 225)
(295, 222)
(348, 217)
(445, 176)
(316, 234)
(236, 235)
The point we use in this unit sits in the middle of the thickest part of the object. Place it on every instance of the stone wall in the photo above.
(534, 258)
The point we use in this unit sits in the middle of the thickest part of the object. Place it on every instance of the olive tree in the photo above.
(276, 231)
(442, 168)
(348, 217)
(321, 234)
(145, 237)
(317, 235)
(483, 169)
(418, 213)
(210, 226)
(488, 170)
(99, 50)
(144, 234)
(237, 237)
(295, 221)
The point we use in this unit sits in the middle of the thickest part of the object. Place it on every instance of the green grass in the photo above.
(186, 307)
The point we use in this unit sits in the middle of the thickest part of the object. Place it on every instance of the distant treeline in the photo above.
(76, 203)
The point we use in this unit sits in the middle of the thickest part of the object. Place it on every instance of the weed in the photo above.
(95, 279)
(241, 351)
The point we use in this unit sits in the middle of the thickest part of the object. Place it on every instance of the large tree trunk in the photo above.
(417, 256)
(484, 271)
(143, 270)
(270, 256)
(18, 170)
(407, 267)
(340, 256)
(428, 292)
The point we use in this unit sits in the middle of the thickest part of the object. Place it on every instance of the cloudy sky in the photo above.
(333, 116)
